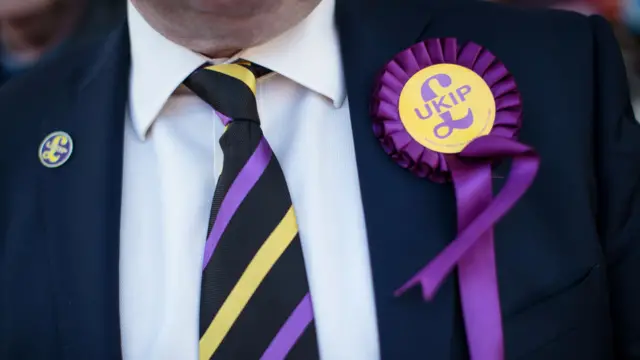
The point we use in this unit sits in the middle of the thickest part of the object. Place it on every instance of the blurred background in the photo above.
(32, 30)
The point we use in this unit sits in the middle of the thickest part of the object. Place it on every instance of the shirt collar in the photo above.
(308, 54)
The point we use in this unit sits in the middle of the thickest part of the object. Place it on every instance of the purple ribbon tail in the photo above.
(478, 281)
(473, 250)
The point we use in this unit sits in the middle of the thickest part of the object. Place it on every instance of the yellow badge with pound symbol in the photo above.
(55, 149)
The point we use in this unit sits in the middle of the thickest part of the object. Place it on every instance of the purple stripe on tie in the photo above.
(238, 190)
(291, 331)
(225, 119)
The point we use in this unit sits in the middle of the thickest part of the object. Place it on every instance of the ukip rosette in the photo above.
(451, 111)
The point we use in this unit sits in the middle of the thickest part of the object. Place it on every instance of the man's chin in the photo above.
(235, 9)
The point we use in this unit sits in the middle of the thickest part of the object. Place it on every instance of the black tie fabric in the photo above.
(255, 302)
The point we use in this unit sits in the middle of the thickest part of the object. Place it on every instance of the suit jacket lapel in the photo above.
(81, 203)
(409, 220)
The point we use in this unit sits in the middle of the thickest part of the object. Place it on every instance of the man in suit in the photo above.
(102, 243)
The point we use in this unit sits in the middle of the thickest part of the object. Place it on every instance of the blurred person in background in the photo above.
(31, 30)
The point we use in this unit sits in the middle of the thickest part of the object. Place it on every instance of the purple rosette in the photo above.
(470, 171)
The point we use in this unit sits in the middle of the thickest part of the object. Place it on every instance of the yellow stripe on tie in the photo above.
(244, 289)
(237, 71)
(244, 63)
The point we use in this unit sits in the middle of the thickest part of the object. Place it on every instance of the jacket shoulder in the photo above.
(492, 10)
(49, 76)
(26, 101)
(508, 21)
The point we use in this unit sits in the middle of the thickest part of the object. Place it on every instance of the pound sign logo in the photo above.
(444, 107)
(433, 103)
(55, 149)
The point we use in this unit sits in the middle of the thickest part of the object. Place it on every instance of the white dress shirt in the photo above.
(171, 162)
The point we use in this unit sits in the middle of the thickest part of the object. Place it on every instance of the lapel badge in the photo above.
(55, 149)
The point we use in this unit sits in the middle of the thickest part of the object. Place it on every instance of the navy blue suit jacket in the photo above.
(3, 76)
(568, 254)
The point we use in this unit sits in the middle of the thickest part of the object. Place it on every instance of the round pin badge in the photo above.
(444, 107)
(55, 149)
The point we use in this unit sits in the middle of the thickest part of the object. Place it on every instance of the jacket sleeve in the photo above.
(617, 158)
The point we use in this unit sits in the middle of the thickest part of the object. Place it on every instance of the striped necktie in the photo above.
(255, 302)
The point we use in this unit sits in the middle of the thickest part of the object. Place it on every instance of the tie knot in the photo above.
(229, 88)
